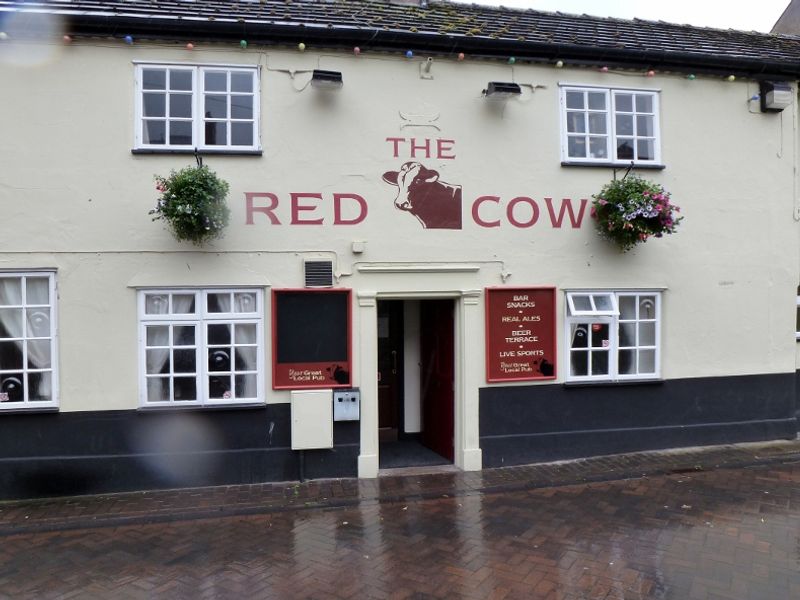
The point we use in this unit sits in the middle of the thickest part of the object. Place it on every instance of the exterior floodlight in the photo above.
(775, 95)
(501, 90)
(327, 80)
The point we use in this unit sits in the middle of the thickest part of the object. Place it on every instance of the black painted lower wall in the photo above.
(521, 425)
(49, 454)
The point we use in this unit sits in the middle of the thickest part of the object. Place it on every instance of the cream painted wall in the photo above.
(73, 197)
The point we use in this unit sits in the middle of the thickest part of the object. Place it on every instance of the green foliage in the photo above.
(193, 204)
(630, 210)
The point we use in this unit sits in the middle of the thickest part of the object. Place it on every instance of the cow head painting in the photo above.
(436, 204)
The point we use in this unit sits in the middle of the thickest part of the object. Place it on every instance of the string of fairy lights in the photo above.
(409, 54)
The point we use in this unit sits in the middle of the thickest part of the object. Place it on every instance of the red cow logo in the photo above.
(435, 203)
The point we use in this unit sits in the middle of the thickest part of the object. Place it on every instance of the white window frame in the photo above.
(197, 119)
(797, 322)
(26, 403)
(611, 136)
(613, 320)
(200, 319)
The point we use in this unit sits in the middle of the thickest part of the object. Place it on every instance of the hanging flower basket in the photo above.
(630, 210)
(193, 204)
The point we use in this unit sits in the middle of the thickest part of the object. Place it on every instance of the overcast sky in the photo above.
(752, 15)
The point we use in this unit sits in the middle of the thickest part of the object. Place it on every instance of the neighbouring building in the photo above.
(411, 273)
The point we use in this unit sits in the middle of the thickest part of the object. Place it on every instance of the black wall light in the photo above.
(501, 90)
(327, 80)
(775, 95)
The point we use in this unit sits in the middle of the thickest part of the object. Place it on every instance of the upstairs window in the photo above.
(609, 126)
(210, 108)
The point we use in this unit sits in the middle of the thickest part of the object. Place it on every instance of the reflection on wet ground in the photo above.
(727, 534)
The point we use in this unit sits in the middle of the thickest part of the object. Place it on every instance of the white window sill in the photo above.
(612, 165)
(185, 407)
(229, 151)
(613, 382)
(7, 409)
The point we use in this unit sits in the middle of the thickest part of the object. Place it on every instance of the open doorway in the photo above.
(416, 382)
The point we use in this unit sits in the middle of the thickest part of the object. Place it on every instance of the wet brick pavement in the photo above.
(713, 524)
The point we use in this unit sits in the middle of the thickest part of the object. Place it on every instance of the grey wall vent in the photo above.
(318, 273)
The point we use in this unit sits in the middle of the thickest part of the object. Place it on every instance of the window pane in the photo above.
(216, 134)
(627, 362)
(644, 103)
(644, 126)
(216, 107)
(40, 387)
(579, 363)
(627, 307)
(599, 362)
(603, 302)
(183, 361)
(180, 133)
(597, 123)
(575, 100)
(180, 80)
(246, 386)
(183, 304)
(241, 134)
(11, 384)
(219, 334)
(39, 354)
(244, 302)
(154, 79)
(155, 105)
(184, 335)
(647, 307)
(245, 333)
(582, 302)
(241, 107)
(600, 335)
(241, 82)
(647, 361)
(157, 361)
(645, 150)
(579, 335)
(623, 102)
(625, 149)
(627, 335)
(157, 335)
(597, 147)
(624, 125)
(37, 290)
(155, 132)
(185, 389)
(576, 147)
(38, 322)
(10, 356)
(246, 359)
(219, 387)
(10, 323)
(10, 291)
(219, 359)
(157, 389)
(180, 105)
(216, 81)
(647, 334)
(156, 304)
(219, 303)
(576, 122)
(597, 100)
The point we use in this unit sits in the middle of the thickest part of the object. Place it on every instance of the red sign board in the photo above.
(520, 333)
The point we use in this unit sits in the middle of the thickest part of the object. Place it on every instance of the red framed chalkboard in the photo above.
(311, 339)
(520, 333)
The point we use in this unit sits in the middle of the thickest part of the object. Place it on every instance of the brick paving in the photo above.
(708, 524)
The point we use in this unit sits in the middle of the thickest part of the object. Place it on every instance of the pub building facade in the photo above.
(411, 274)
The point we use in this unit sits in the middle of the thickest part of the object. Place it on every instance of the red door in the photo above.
(438, 375)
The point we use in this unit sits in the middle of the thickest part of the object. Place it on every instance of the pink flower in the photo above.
(593, 212)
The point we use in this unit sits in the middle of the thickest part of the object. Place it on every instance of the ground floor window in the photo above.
(27, 340)
(613, 335)
(201, 347)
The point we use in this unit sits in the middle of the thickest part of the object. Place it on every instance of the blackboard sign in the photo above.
(520, 334)
(311, 338)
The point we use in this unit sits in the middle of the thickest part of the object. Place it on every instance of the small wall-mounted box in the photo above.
(346, 405)
(312, 425)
